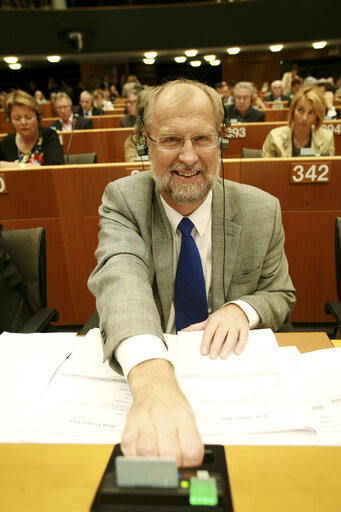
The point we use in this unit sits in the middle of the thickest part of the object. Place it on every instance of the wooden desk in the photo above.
(65, 200)
(309, 212)
(252, 136)
(40, 478)
(108, 143)
(105, 121)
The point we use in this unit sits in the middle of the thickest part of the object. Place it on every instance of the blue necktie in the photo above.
(190, 292)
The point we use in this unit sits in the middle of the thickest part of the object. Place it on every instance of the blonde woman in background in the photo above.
(304, 128)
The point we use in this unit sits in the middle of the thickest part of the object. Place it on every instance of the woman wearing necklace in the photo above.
(30, 145)
(304, 129)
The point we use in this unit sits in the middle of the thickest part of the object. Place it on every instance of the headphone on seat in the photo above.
(142, 148)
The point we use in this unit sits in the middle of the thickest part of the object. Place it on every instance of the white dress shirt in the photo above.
(142, 347)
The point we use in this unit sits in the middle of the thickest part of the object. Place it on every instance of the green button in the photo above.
(203, 491)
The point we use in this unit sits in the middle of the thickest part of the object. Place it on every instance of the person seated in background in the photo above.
(132, 84)
(225, 91)
(264, 89)
(338, 88)
(39, 97)
(128, 120)
(3, 98)
(100, 101)
(242, 111)
(31, 144)
(113, 93)
(277, 93)
(288, 78)
(304, 128)
(67, 120)
(86, 107)
(257, 102)
(296, 85)
(329, 96)
(137, 138)
(138, 295)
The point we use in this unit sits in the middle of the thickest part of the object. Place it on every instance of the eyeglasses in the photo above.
(243, 98)
(27, 119)
(62, 107)
(175, 142)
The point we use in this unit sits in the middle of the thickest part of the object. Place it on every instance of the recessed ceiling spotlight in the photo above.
(191, 53)
(195, 63)
(15, 66)
(215, 62)
(11, 60)
(150, 55)
(318, 45)
(149, 61)
(276, 47)
(233, 51)
(209, 58)
(180, 59)
(53, 58)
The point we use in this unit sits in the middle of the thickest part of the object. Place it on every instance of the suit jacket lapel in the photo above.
(162, 246)
(231, 232)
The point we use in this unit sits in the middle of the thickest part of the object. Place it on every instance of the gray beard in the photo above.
(185, 193)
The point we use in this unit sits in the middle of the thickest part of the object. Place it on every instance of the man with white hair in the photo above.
(277, 93)
(86, 107)
(242, 111)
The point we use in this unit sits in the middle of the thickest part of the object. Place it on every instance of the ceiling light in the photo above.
(318, 45)
(191, 53)
(215, 62)
(14, 66)
(150, 55)
(53, 58)
(209, 58)
(11, 60)
(195, 63)
(276, 47)
(233, 51)
(180, 59)
(149, 61)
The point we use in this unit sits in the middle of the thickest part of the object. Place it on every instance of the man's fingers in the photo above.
(243, 338)
(129, 439)
(200, 326)
(231, 340)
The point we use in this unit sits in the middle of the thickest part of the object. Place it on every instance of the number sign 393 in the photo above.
(318, 172)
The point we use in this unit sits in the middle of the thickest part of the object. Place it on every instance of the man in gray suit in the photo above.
(243, 260)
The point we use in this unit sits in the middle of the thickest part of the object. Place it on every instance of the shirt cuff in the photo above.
(137, 349)
(250, 312)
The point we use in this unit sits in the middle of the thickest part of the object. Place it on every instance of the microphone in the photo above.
(73, 124)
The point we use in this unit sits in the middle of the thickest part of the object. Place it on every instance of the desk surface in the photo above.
(263, 479)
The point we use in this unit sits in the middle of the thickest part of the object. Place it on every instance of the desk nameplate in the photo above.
(313, 173)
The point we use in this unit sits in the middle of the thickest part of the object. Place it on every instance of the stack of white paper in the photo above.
(268, 395)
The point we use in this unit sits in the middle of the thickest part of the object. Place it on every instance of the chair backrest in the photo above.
(27, 249)
(338, 256)
(82, 158)
(251, 153)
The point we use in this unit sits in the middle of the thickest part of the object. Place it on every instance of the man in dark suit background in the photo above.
(67, 120)
(242, 110)
(86, 107)
(277, 93)
(129, 119)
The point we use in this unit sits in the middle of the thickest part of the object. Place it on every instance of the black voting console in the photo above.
(111, 497)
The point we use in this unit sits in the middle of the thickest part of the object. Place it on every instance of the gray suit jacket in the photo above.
(133, 280)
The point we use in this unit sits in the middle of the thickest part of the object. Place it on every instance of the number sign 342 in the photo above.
(318, 173)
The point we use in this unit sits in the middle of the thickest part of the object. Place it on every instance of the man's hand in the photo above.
(160, 421)
(226, 330)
